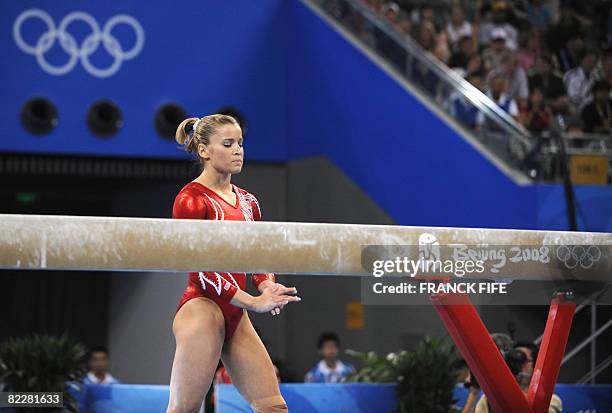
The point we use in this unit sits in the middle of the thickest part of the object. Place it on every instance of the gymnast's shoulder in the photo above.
(190, 203)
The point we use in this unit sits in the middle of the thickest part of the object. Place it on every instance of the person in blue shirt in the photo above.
(330, 369)
(98, 368)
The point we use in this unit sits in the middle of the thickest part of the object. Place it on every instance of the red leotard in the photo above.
(196, 201)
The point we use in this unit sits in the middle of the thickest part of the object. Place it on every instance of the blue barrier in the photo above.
(319, 398)
(309, 398)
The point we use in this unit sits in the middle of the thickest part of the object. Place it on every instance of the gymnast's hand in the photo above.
(274, 297)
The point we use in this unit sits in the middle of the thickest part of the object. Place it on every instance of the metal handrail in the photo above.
(594, 372)
(481, 101)
(586, 341)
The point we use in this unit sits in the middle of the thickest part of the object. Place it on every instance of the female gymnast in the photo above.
(211, 321)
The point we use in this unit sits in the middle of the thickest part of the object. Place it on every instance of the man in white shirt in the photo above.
(98, 368)
(579, 80)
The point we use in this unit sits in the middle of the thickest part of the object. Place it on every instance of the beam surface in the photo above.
(145, 244)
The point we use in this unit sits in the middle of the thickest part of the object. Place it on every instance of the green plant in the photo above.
(425, 377)
(42, 363)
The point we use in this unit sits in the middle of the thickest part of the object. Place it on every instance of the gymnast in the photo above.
(211, 321)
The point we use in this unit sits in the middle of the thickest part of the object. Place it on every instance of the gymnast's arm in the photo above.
(266, 280)
(269, 299)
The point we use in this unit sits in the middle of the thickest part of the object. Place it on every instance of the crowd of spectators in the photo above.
(534, 58)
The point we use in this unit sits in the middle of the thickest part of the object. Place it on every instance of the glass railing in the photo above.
(534, 157)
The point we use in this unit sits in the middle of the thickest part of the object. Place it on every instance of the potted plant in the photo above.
(425, 377)
(42, 363)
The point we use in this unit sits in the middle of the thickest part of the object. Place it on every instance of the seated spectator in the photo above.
(518, 86)
(597, 116)
(461, 108)
(570, 54)
(391, 12)
(537, 115)
(403, 25)
(538, 14)
(551, 85)
(498, 20)
(98, 368)
(458, 28)
(529, 51)
(474, 392)
(568, 26)
(522, 369)
(579, 81)
(465, 50)
(498, 93)
(330, 369)
(493, 55)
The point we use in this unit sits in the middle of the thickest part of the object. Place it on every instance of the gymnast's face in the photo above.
(224, 152)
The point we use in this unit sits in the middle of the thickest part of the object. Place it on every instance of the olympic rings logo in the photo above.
(81, 51)
(573, 256)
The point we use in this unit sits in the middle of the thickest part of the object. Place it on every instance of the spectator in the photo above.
(550, 83)
(404, 25)
(499, 20)
(461, 108)
(98, 368)
(475, 65)
(493, 55)
(458, 28)
(570, 54)
(330, 369)
(522, 370)
(538, 14)
(497, 92)
(579, 81)
(530, 49)
(518, 86)
(597, 116)
(529, 348)
(567, 27)
(391, 11)
(473, 392)
(465, 50)
(537, 115)
(427, 16)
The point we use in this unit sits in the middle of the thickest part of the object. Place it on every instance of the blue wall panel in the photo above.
(200, 54)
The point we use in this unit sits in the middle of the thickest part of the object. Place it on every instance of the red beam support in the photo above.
(551, 352)
(480, 352)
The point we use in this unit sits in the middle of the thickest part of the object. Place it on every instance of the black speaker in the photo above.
(39, 116)
(104, 119)
(167, 119)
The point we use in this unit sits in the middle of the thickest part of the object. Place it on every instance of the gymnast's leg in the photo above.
(251, 369)
(199, 331)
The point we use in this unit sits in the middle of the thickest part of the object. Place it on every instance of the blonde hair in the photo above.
(190, 138)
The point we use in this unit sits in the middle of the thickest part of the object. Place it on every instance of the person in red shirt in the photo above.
(211, 321)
